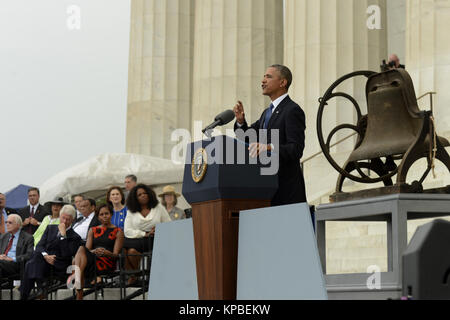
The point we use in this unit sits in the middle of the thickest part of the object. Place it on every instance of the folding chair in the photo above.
(143, 275)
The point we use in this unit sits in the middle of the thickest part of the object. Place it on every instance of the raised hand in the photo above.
(239, 112)
(62, 229)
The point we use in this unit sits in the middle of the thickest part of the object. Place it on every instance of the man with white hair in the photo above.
(58, 245)
(16, 246)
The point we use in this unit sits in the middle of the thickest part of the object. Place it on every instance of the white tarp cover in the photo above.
(106, 170)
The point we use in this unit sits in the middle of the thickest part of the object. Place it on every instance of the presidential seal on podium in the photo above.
(199, 165)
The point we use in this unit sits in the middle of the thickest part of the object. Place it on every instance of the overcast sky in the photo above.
(63, 90)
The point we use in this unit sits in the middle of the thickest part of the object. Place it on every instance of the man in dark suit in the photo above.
(87, 220)
(33, 214)
(58, 245)
(16, 247)
(288, 118)
(4, 213)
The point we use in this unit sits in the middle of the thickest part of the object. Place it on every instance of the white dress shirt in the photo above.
(82, 227)
(35, 208)
(277, 101)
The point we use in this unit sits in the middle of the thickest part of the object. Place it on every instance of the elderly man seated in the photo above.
(16, 246)
(58, 245)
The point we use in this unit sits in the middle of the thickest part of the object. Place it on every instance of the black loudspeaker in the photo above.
(426, 262)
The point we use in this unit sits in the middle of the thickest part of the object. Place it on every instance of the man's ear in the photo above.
(283, 83)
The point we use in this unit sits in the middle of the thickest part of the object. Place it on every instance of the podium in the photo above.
(219, 181)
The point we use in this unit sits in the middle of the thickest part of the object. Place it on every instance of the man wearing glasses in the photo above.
(16, 246)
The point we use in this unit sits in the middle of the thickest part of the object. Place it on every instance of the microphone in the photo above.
(222, 119)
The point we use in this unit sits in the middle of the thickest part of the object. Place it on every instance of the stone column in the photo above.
(428, 55)
(324, 40)
(396, 15)
(160, 72)
(235, 40)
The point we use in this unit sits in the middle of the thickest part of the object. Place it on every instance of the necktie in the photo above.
(9, 245)
(268, 115)
(29, 229)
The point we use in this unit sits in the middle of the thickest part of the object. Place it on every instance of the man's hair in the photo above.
(285, 73)
(68, 209)
(108, 193)
(17, 218)
(132, 177)
(34, 189)
(91, 201)
(79, 195)
(132, 201)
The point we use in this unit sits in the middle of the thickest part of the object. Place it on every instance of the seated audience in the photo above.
(16, 246)
(144, 212)
(56, 206)
(103, 246)
(169, 201)
(116, 199)
(88, 220)
(33, 214)
(57, 247)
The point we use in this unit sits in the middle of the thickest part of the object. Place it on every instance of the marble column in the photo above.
(235, 40)
(324, 40)
(396, 15)
(428, 55)
(160, 73)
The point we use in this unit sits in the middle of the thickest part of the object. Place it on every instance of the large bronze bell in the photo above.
(394, 128)
(394, 121)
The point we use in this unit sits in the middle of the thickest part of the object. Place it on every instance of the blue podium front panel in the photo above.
(278, 257)
(173, 274)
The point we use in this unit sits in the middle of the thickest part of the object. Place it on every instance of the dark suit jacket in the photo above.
(289, 119)
(63, 249)
(10, 211)
(94, 222)
(25, 245)
(39, 215)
